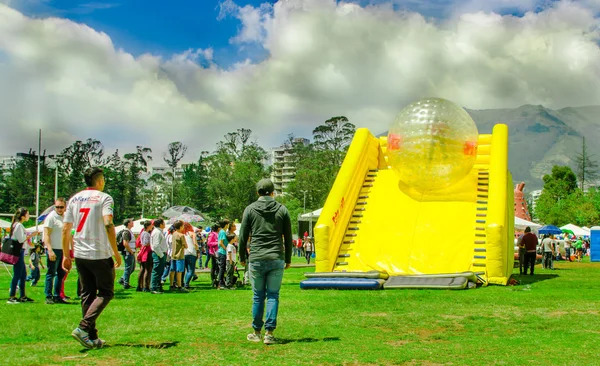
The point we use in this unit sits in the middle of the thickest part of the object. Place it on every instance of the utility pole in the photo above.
(304, 210)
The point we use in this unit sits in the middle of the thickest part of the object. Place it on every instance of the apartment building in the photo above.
(284, 168)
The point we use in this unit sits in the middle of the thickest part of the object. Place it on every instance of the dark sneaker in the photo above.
(126, 287)
(83, 337)
(59, 300)
(121, 281)
(26, 299)
(98, 343)
(12, 301)
(49, 301)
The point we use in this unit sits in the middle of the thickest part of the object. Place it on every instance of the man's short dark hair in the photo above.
(158, 222)
(92, 175)
(527, 229)
(126, 222)
(223, 223)
(178, 224)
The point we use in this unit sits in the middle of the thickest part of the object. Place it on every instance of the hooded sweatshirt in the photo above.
(266, 221)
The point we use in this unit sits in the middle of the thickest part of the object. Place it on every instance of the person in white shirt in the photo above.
(158, 243)
(191, 254)
(231, 256)
(17, 232)
(53, 225)
(90, 212)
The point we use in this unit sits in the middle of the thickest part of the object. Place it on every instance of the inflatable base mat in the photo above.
(370, 274)
(455, 283)
(342, 283)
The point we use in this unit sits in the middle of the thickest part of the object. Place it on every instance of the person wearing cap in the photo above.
(269, 224)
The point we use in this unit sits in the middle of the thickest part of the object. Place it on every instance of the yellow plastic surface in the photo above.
(371, 221)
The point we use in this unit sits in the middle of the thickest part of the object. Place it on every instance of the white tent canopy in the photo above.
(138, 225)
(576, 230)
(521, 224)
(4, 224)
(314, 214)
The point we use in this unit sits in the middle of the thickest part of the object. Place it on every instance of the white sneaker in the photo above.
(83, 337)
(269, 339)
(253, 337)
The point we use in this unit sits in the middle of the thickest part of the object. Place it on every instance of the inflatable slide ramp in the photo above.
(370, 222)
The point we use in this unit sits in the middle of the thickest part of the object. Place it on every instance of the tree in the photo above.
(194, 184)
(586, 168)
(232, 172)
(334, 136)
(552, 204)
(75, 159)
(176, 152)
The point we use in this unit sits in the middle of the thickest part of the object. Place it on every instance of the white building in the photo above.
(535, 195)
(284, 168)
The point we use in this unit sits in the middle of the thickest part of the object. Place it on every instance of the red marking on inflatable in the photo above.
(470, 148)
(394, 141)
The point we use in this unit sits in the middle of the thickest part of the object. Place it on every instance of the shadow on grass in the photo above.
(307, 340)
(527, 279)
(155, 345)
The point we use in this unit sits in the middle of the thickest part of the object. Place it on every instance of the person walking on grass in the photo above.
(53, 225)
(158, 243)
(34, 264)
(269, 224)
(17, 232)
(222, 253)
(178, 248)
(128, 252)
(308, 249)
(530, 242)
(94, 244)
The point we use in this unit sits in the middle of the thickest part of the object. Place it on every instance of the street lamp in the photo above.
(304, 191)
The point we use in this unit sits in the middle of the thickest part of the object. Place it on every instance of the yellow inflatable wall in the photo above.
(370, 223)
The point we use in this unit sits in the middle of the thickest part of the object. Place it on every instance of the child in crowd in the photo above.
(231, 257)
(34, 264)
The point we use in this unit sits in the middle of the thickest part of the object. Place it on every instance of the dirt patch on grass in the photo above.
(457, 317)
(398, 343)
(375, 315)
(559, 313)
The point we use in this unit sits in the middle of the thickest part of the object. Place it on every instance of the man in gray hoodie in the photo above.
(268, 224)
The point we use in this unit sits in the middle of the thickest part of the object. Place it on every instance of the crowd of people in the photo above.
(551, 248)
(81, 231)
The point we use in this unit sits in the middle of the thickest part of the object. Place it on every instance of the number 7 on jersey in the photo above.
(85, 211)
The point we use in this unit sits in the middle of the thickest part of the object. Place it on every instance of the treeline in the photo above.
(219, 183)
(563, 201)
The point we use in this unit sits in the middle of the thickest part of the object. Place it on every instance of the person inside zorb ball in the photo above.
(432, 144)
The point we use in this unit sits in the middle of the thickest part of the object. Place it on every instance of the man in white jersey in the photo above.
(90, 212)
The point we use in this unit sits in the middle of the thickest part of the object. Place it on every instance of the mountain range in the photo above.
(540, 138)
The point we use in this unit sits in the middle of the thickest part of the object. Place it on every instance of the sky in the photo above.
(150, 72)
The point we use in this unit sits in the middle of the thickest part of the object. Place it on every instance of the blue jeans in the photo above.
(129, 267)
(190, 268)
(265, 277)
(34, 276)
(19, 276)
(55, 274)
(158, 268)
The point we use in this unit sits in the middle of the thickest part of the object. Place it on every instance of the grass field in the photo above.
(552, 318)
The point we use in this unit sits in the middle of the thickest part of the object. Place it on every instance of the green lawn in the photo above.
(552, 318)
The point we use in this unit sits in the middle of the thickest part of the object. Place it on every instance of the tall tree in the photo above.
(586, 169)
(75, 159)
(553, 201)
(233, 171)
(334, 136)
(176, 152)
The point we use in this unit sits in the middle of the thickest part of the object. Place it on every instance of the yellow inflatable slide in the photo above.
(370, 226)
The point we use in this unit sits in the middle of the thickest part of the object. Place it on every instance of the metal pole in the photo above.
(55, 181)
(37, 192)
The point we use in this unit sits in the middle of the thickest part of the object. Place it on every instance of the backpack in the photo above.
(120, 246)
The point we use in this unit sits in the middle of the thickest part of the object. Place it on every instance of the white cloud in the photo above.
(324, 59)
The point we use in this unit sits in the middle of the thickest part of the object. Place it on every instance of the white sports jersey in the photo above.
(86, 210)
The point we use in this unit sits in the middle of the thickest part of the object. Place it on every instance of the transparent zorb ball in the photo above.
(432, 144)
